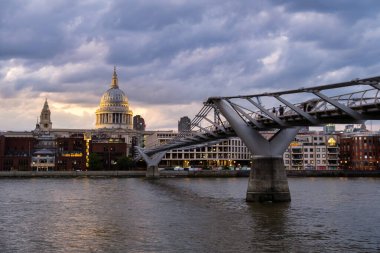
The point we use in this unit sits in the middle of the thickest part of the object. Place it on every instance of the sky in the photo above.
(171, 55)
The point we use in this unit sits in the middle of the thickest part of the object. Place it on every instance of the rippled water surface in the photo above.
(187, 215)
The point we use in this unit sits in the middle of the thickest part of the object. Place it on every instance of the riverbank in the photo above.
(332, 173)
(191, 174)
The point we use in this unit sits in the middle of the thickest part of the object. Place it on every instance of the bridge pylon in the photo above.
(152, 162)
(267, 180)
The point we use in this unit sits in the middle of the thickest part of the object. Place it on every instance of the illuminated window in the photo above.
(331, 142)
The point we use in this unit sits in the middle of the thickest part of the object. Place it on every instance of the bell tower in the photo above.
(45, 121)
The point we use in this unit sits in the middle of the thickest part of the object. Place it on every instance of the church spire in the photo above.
(45, 121)
(114, 83)
(46, 106)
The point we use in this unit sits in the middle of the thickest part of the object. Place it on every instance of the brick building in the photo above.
(71, 153)
(109, 151)
(360, 151)
(15, 151)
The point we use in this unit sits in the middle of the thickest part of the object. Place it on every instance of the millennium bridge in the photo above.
(285, 112)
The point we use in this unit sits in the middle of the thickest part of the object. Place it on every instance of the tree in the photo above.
(95, 162)
(125, 163)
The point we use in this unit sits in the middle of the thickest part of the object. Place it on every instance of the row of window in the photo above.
(306, 162)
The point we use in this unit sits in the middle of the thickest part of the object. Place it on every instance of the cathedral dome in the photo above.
(114, 110)
(114, 97)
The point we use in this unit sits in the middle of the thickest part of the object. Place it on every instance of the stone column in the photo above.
(152, 162)
(268, 181)
(152, 172)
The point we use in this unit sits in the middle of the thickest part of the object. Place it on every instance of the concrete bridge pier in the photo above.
(152, 163)
(152, 172)
(267, 180)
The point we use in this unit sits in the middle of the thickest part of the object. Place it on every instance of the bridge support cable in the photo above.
(376, 86)
(298, 110)
(221, 128)
(152, 163)
(340, 106)
(246, 115)
(206, 130)
(267, 180)
(267, 112)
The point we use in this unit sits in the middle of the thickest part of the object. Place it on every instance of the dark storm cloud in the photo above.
(151, 15)
(180, 52)
(349, 10)
(30, 31)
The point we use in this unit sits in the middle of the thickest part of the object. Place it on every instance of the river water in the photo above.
(187, 215)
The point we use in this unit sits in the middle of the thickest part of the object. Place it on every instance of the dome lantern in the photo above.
(114, 83)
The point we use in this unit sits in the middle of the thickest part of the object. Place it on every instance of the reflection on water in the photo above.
(187, 215)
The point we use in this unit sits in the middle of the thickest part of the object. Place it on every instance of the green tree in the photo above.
(125, 163)
(95, 163)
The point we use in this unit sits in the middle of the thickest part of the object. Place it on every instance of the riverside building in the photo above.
(313, 151)
(360, 151)
(309, 151)
(230, 153)
(47, 148)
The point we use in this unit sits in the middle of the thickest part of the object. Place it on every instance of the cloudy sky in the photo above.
(173, 54)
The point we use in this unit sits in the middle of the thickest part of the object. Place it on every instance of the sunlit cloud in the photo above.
(172, 55)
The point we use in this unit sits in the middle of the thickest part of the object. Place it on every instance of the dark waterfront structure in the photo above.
(15, 153)
(360, 151)
(184, 124)
(109, 151)
(46, 152)
(138, 123)
(71, 153)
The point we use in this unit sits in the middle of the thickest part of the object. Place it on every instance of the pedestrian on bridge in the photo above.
(281, 110)
(274, 111)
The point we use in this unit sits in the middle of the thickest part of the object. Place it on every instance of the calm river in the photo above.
(187, 215)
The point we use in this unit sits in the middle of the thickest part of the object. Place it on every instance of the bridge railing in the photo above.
(353, 99)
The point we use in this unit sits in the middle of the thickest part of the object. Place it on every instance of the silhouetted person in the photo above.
(281, 110)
